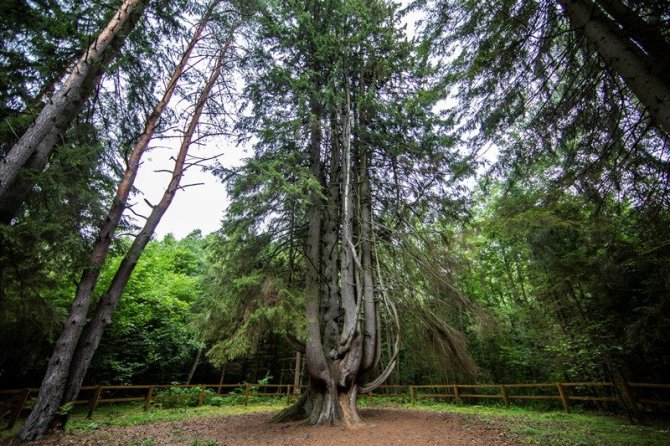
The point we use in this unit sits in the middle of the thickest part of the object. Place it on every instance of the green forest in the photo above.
(431, 192)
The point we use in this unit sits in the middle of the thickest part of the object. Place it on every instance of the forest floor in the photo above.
(387, 424)
(382, 427)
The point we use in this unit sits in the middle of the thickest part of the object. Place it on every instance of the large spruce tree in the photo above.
(347, 149)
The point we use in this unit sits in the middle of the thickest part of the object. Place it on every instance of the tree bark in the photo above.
(33, 148)
(42, 419)
(623, 58)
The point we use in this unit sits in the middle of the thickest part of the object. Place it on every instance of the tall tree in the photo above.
(73, 355)
(349, 108)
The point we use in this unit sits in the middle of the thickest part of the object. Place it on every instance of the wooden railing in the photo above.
(633, 396)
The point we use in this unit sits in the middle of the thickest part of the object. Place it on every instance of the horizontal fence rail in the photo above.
(631, 396)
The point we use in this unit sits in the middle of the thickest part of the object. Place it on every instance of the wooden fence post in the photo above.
(411, 395)
(246, 393)
(631, 400)
(505, 395)
(457, 396)
(93, 402)
(20, 404)
(564, 397)
(201, 397)
(147, 400)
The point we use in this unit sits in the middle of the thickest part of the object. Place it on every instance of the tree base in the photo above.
(331, 407)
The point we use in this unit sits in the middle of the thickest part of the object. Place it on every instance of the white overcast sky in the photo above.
(198, 207)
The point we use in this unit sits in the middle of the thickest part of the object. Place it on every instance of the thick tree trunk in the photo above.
(34, 147)
(624, 59)
(335, 285)
(646, 35)
(90, 339)
(325, 404)
(297, 373)
(43, 418)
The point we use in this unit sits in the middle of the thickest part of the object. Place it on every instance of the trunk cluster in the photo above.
(343, 343)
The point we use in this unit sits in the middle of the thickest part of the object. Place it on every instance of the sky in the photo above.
(196, 207)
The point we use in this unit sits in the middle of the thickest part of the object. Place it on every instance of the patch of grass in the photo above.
(531, 426)
(558, 428)
(130, 415)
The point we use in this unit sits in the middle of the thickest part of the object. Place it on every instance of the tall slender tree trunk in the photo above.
(33, 148)
(43, 417)
(90, 339)
(196, 361)
(624, 58)
(297, 373)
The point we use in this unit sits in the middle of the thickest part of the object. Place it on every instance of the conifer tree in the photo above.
(341, 106)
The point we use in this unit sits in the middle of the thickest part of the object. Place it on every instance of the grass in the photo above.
(133, 415)
(537, 427)
(530, 426)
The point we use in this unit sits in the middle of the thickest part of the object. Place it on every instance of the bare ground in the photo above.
(382, 427)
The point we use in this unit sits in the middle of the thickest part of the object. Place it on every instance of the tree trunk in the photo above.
(95, 328)
(34, 147)
(623, 58)
(42, 419)
(646, 35)
(297, 372)
(195, 365)
(335, 284)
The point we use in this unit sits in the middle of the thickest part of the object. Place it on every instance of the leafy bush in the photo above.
(182, 396)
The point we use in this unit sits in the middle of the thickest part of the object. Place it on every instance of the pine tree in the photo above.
(341, 108)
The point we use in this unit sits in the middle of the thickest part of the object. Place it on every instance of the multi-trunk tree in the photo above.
(346, 138)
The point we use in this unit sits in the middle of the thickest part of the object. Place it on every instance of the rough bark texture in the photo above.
(623, 57)
(56, 387)
(33, 148)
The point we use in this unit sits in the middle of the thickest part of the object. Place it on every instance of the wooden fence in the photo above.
(630, 396)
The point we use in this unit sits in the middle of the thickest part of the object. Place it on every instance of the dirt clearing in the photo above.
(383, 427)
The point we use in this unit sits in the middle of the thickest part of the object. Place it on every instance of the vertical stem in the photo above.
(147, 400)
(20, 404)
(223, 372)
(297, 373)
(505, 395)
(631, 399)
